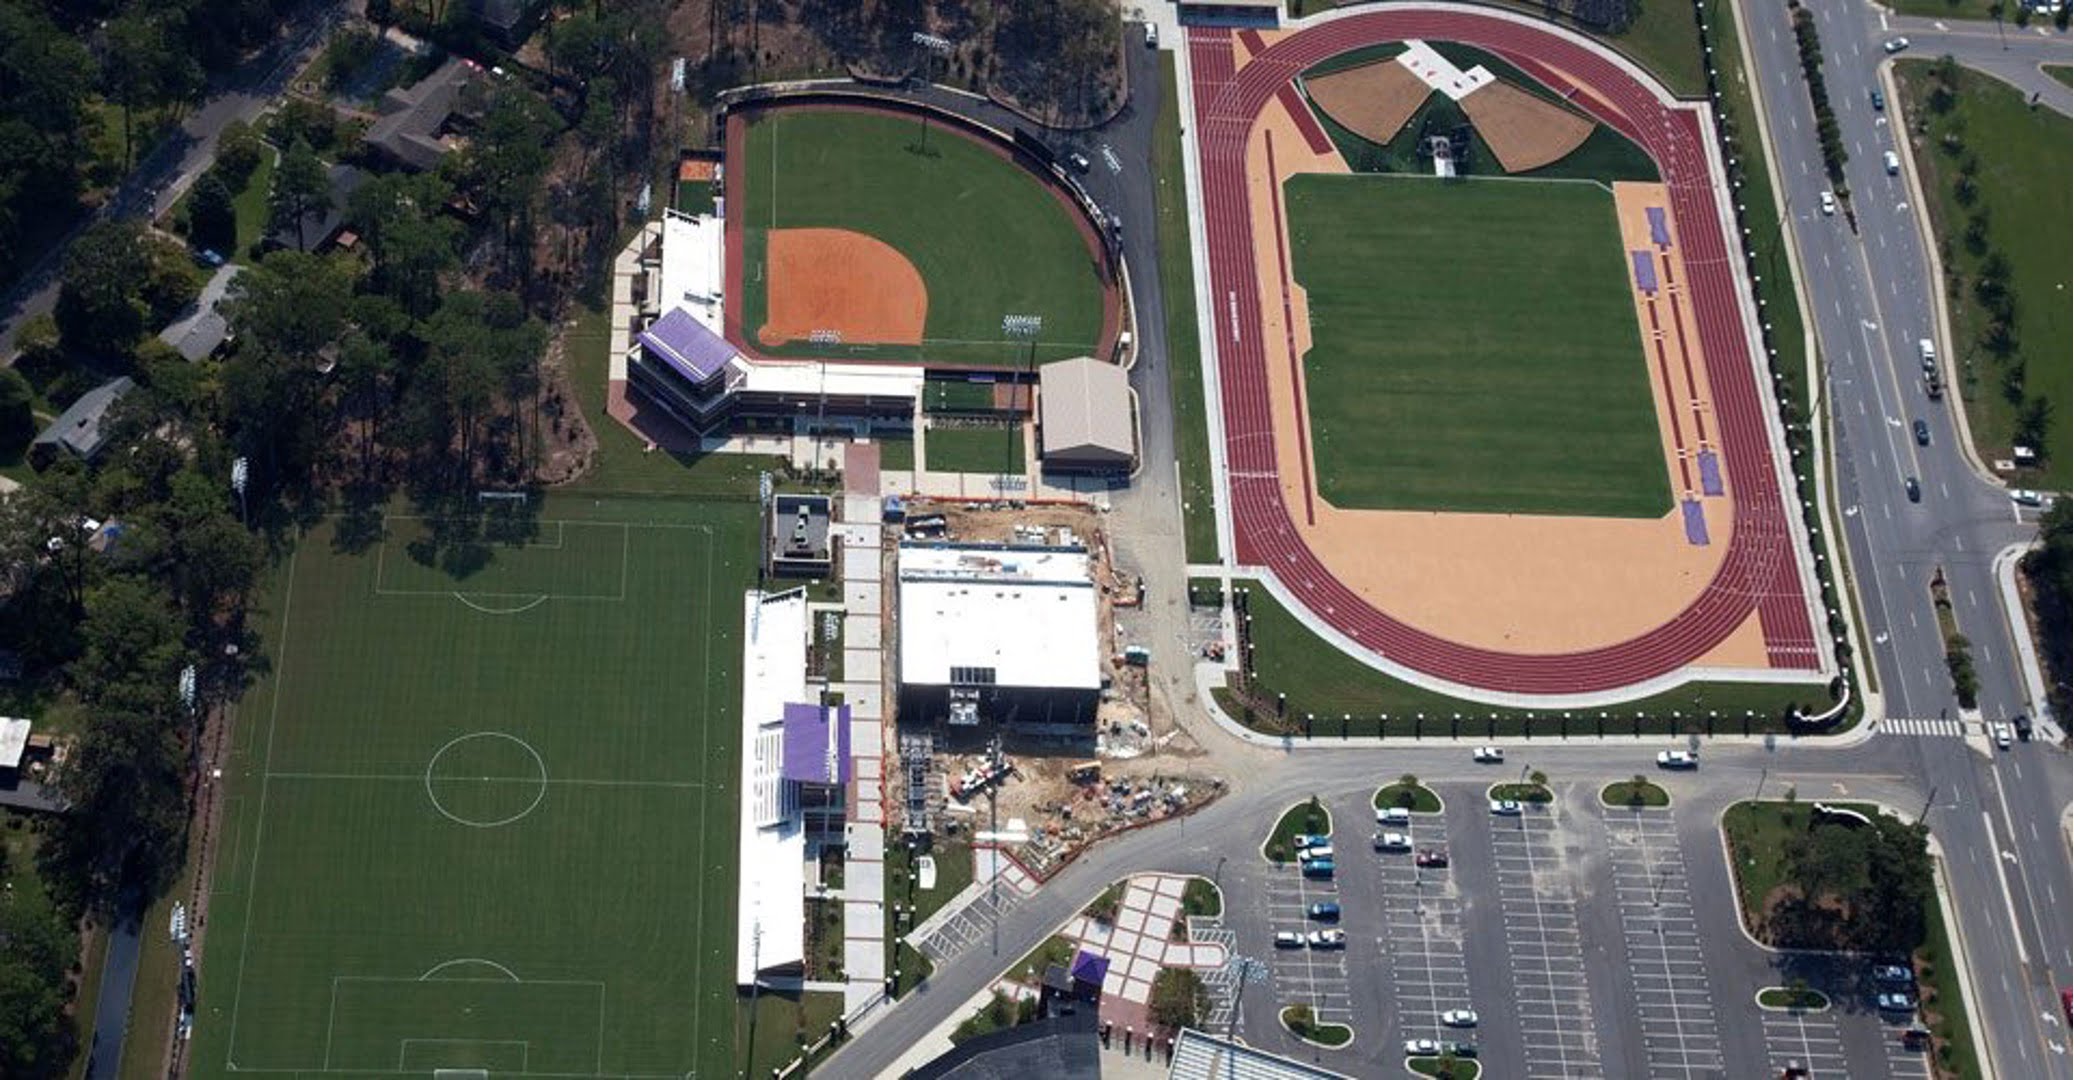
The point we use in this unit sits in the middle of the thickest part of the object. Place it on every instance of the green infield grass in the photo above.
(987, 237)
(480, 813)
(1474, 348)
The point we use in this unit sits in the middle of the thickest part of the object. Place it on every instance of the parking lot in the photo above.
(1551, 996)
(1421, 935)
(1316, 977)
(1672, 998)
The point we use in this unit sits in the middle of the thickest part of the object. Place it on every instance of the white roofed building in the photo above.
(998, 632)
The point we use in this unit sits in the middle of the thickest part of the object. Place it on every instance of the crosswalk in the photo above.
(1932, 727)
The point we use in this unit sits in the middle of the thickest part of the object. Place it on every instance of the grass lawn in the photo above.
(1184, 352)
(1301, 1023)
(1942, 1007)
(896, 454)
(987, 237)
(1460, 393)
(2062, 72)
(953, 872)
(155, 995)
(778, 1027)
(2026, 188)
(1201, 899)
(481, 810)
(1456, 1069)
(1056, 949)
(1415, 797)
(1787, 997)
(977, 450)
(1322, 681)
(1001, 1012)
(1522, 793)
(250, 205)
(1630, 793)
(1305, 817)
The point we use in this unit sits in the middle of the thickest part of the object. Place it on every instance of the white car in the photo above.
(1828, 203)
(1505, 808)
(1288, 939)
(1895, 45)
(2026, 497)
(1151, 36)
(1891, 162)
(2004, 736)
(1678, 759)
(1328, 939)
(1460, 1018)
(1421, 1048)
(1307, 841)
(1489, 755)
(1393, 815)
(1392, 841)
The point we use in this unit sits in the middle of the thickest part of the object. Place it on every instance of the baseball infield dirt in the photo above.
(1373, 101)
(1523, 131)
(844, 282)
(1519, 583)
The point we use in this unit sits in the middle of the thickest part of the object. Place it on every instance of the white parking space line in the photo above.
(1317, 977)
(1550, 994)
(1672, 999)
(1808, 1038)
(1422, 935)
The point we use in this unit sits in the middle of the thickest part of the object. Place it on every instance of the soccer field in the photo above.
(988, 238)
(1474, 348)
(480, 814)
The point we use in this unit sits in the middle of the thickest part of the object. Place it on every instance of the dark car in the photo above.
(1922, 433)
(1324, 911)
(1915, 490)
(1879, 100)
(1432, 857)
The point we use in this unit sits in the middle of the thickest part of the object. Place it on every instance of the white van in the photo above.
(1892, 162)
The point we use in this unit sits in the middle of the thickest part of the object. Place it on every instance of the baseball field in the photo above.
(984, 237)
(480, 814)
(1474, 348)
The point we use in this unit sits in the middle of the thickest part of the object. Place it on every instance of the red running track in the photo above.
(1759, 571)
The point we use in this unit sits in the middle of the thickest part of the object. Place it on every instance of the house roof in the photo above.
(14, 738)
(202, 329)
(1086, 406)
(323, 221)
(408, 129)
(82, 429)
(687, 345)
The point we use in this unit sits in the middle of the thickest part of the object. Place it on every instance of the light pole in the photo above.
(1021, 328)
(932, 47)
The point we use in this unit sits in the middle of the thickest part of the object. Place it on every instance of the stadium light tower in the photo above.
(933, 47)
(1021, 328)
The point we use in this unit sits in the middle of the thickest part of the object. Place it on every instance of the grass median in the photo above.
(1184, 351)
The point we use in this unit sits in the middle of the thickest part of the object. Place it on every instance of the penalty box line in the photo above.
(331, 1012)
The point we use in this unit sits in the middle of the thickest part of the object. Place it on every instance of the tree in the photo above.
(212, 217)
(17, 417)
(146, 67)
(238, 151)
(37, 949)
(98, 308)
(2034, 423)
(46, 77)
(301, 187)
(506, 161)
(409, 241)
(1179, 999)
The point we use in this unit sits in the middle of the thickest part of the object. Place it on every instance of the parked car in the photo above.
(1828, 203)
(1079, 162)
(1393, 815)
(1677, 759)
(1462, 1049)
(1151, 36)
(1432, 857)
(1913, 489)
(209, 257)
(2026, 497)
(1315, 854)
(1922, 433)
(1895, 45)
(1489, 755)
(1893, 973)
(1288, 939)
(1421, 1048)
(1505, 808)
(1328, 939)
(1879, 100)
(1319, 868)
(1459, 1018)
(1392, 841)
(1324, 911)
(1894, 1001)
(1307, 841)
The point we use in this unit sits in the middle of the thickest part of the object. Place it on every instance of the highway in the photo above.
(1870, 294)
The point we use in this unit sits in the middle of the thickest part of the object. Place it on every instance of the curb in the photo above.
(1758, 998)
(2005, 568)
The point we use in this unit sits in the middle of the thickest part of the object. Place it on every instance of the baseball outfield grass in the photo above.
(987, 237)
(1474, 348)
(481, 812)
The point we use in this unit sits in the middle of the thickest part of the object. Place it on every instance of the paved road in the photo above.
(2008, 52)
(1871, 295)
(169, 168)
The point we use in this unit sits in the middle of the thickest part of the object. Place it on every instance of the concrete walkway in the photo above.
(864, 865)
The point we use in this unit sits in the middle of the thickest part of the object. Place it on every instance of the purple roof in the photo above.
(817, 744)
(684, 343)
(1645, 271)
(1090, 968)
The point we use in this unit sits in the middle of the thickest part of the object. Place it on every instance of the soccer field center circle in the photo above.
(488, 779)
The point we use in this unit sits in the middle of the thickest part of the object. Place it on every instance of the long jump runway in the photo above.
(1759, 573)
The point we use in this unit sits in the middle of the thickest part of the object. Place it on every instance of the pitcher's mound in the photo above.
(835, 281)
